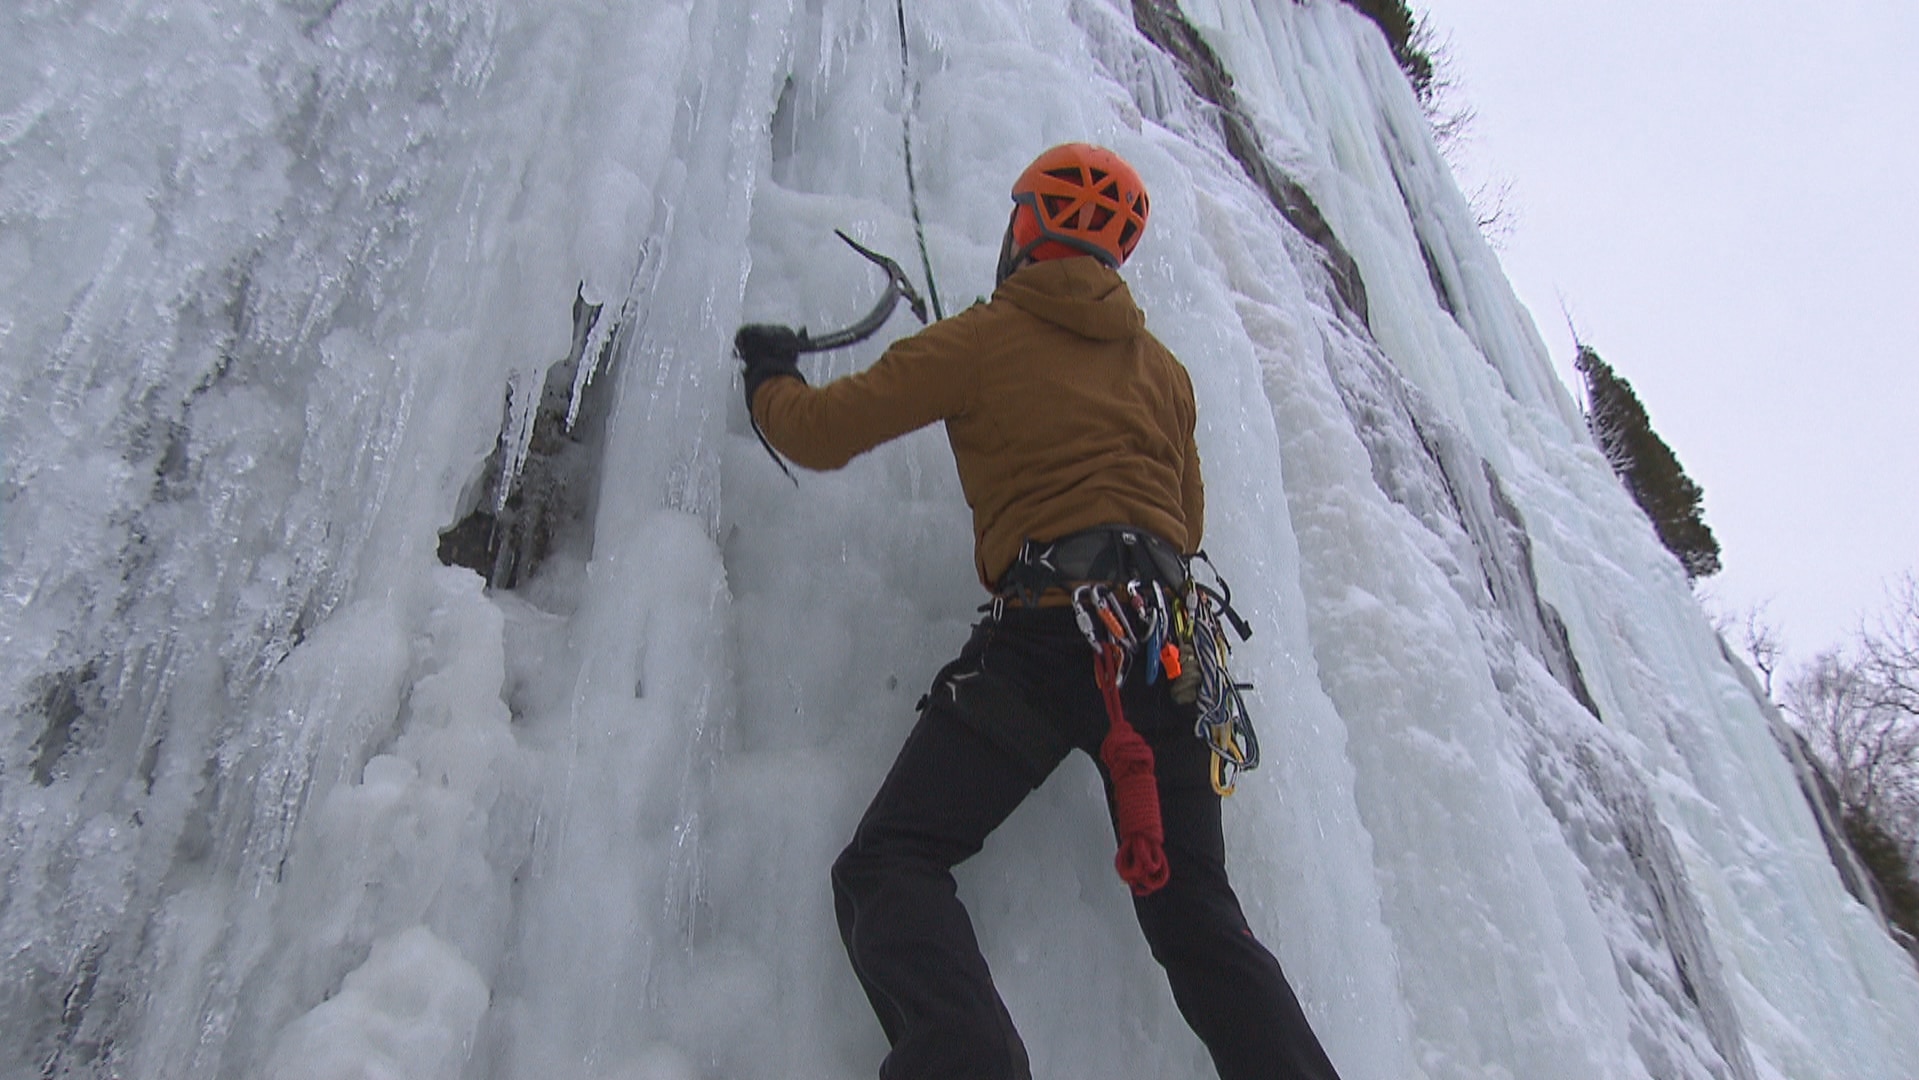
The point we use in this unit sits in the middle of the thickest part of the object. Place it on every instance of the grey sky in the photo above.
(1723, 197)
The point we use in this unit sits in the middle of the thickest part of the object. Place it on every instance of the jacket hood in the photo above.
(1079, 294)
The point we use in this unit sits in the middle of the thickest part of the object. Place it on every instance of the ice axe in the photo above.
(898, 287)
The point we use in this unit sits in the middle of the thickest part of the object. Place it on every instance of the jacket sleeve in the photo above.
(918, 380)
(1192, 489)
(1192, 495)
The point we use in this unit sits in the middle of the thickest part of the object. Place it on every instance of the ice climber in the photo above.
(1072, 428)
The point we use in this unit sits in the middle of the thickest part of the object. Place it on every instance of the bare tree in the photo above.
(1890, 665)
(1857, 742)
(1861, 717)
(1443, 97)
(1496, 209)
(1748, 630)
(1891, 652)
(1759, 639)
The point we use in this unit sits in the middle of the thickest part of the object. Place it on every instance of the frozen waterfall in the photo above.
(285, 796)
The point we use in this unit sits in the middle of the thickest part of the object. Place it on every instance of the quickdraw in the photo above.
(1223, 721)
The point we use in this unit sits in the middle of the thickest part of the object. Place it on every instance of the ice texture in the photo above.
(283, 796)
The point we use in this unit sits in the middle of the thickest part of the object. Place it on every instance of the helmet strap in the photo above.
(1011, 258)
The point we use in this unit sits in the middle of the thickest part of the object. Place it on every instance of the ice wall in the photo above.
(284, 796)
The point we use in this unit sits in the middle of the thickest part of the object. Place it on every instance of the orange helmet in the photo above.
(1077, 199)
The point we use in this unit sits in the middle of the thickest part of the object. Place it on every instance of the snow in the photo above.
(409, 1011)
(290, 798)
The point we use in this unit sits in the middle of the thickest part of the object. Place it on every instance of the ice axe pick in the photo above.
(898, 287)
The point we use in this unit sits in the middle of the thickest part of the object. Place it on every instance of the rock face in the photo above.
(361, 731)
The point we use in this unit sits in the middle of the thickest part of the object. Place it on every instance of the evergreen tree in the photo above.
(1403, 35)
(1647, 466)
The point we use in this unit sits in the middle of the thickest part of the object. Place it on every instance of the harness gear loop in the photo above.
(1223, 721)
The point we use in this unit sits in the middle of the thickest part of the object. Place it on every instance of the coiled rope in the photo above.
(911, 104)
(1141, 859)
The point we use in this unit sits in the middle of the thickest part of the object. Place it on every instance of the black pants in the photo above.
(998, 720)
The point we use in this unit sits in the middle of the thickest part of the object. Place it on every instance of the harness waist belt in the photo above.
(1104, 553)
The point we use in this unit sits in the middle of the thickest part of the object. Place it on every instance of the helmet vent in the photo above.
(1110, 191)
(1127, 233)
(1070, 175)
(1101, 216)
(1057, 205)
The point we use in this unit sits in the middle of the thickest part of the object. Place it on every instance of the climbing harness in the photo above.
(1104, 553)
(1144, 613)
(911, 90)
(898, 287)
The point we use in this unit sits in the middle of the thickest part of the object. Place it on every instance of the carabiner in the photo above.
(1084, 617)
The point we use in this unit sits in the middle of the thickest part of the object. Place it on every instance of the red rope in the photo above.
(1141, 860)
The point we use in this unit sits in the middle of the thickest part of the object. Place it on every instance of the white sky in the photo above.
(1723, 195)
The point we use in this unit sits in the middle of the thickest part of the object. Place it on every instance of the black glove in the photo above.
(768, 352)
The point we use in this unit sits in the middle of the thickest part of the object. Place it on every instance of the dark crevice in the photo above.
(784, 131)
(73, 1012)
(1678, 919)
(1165, 26)
(1823, 796)
(62, 705)
(83, 1043)
(1555, 648)
(1426, 466)
(516, 519)
(1441, 292)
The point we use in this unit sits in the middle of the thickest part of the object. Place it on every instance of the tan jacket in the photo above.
(1062, 410)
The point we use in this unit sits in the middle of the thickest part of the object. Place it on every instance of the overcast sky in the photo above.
(1723, 196)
